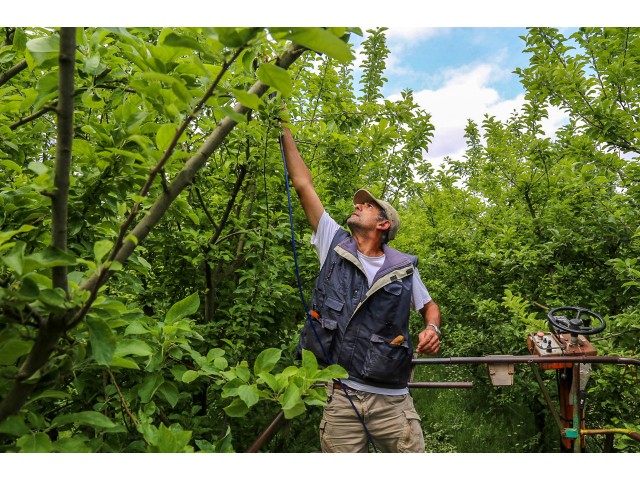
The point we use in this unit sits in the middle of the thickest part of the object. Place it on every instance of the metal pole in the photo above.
(547, 397)
(524, 359)
(268, 433)
(440, 385)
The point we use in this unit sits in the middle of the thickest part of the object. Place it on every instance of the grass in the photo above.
(477, 420)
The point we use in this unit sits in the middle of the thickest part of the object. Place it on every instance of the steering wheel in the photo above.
(580, 324)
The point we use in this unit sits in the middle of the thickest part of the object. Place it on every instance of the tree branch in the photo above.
(33, 116)
(161, 163)
(225, 216)
(12, 72)
(64, 141)
(181, 181)
(205, 209)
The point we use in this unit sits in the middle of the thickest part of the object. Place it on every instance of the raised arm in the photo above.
(301, 179)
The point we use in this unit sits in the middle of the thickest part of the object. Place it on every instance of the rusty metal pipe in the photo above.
(524, 359)
(440, 384)
(273, 427)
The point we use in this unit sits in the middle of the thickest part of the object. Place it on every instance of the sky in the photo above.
(456, 74)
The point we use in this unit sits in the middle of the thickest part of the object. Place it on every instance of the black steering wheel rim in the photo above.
(576, 324)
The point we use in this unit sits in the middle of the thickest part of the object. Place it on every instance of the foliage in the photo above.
(109, 245)
(150, 303)
(524, 223)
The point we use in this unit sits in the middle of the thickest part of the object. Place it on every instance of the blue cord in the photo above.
(302, 298)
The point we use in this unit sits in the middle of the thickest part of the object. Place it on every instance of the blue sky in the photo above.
(421, 57)
(456, 74)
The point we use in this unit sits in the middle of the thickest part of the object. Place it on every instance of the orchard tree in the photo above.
(525, 222)
(148, 296)
(105, 135)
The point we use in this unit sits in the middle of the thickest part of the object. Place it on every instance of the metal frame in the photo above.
(574, 433)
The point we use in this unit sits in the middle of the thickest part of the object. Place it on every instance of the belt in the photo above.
(339, 386)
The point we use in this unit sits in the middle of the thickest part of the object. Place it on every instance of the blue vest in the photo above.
(357, 323)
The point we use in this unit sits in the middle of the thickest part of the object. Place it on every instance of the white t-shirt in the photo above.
(321, 239)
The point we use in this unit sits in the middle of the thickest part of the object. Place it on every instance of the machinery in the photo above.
(570, 328)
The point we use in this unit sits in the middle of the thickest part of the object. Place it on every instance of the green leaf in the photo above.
(34, 443)
(329, 373)
(124, 362)
(323, 41)
(92, 65)
(164, 135)
(136, 328)
(220, 363)
(309, 363)
(133, 347)
(12, 349)
(101, 248)
(236, 409)
(266, 360)
(190, 375)
(54, 297)
(75, 444)
(276, 77)
(170, 439)
(270, 380)
(15, 426)
(29, 289)
(316, 397)
(249, 100)
(178, 40)
(182, 308)
(44, 48)
(169, 391)
(102, 339)
(150, 387)
(15, 258)
(292, 403)
(249, 394)
(11, 165)
(214, 353)
(235, 37)
(92, 419)
(50, 257)
(243, 373)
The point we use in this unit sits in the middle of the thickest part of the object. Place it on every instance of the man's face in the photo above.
(365, 216)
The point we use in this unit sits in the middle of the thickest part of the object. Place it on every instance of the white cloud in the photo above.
(467, 93)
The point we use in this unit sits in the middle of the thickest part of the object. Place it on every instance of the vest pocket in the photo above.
(387, 363)
(319, 337)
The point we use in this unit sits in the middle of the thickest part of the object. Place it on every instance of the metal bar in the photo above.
(440, 384)
(547, 397)
(524, 359)
(273, 427)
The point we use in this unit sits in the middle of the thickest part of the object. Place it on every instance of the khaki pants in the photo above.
(392, 422)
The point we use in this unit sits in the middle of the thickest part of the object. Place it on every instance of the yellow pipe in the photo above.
(602, 431)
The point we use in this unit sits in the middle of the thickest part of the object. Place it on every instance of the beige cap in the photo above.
(362, 196)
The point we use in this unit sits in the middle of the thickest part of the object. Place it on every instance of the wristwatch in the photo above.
(436, 328)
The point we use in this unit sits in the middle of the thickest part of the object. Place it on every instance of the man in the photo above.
(361, 306)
